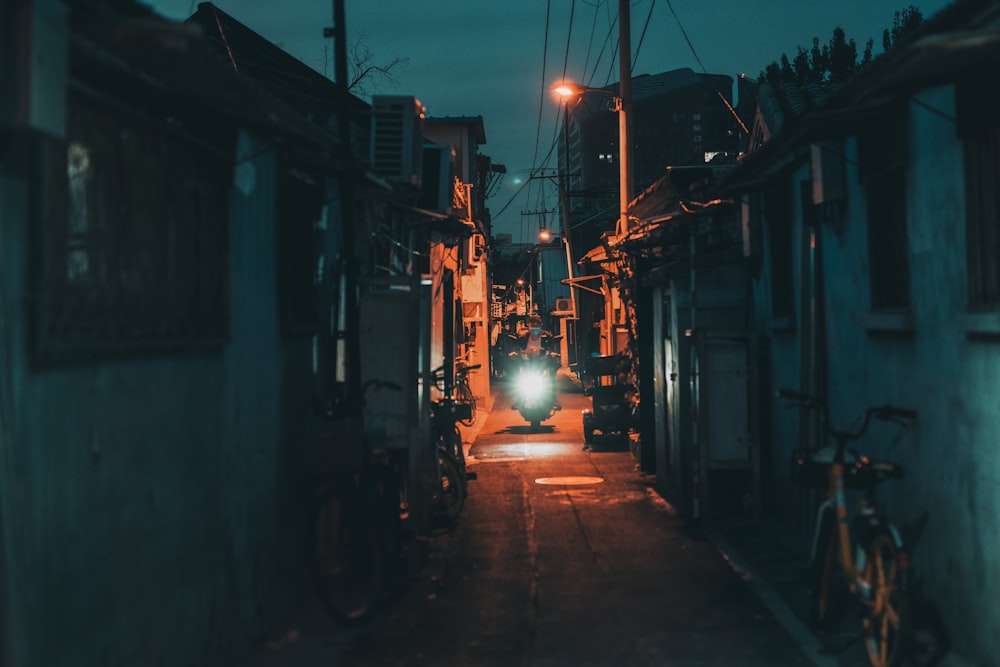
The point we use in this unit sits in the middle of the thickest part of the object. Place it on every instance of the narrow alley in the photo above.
(563, 556)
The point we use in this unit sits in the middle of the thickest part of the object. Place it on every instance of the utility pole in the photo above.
(346, 186)
(625, 113)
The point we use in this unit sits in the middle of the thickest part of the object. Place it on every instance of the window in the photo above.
(981, 142)
(300, 235)
(778, 213)
(882, 157)
(133, 236)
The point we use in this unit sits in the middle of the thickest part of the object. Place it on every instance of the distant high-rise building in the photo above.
(679, 118)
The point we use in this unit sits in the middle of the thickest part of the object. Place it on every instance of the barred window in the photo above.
(882, 158)
(778, 212)
(300, 238)
(134, 236)
(981, 143)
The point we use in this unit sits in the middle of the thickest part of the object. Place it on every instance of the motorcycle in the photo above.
(534, 383)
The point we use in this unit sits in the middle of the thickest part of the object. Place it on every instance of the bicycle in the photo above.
(360, 525)
(463, 392)
(872, 557)
(452, 475)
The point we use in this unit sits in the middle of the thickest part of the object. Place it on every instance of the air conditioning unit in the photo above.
(437, 186)
(397, 139)
(563, 306)
(477, 248)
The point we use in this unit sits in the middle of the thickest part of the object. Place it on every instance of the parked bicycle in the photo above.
(359, 533)
(463, 392)
(451, 486)
(869, 553)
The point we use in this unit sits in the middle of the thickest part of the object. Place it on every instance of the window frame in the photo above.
(130, 232)
(883, 155)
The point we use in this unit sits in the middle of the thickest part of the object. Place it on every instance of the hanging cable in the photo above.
(613, 22)
(705, 71)
(590, 42)
(222, 34)
(642, 36)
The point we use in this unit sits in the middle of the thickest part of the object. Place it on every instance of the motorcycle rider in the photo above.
(533, 342)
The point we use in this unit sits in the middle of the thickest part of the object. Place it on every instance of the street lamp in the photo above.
(623, 106)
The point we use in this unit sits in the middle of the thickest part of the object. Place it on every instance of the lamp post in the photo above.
(623, 105)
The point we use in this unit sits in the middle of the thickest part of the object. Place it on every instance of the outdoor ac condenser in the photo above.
(398, 139)
(563, 306)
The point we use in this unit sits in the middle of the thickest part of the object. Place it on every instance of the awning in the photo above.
(438, 222)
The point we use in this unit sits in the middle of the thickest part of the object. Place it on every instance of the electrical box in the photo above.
(477, 248)
(394, 329)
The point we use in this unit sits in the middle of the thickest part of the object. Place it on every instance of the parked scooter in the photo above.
(534, 368)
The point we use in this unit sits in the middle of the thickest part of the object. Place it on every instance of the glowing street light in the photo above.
(623, 106)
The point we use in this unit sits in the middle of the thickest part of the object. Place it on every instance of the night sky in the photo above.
(474, 57)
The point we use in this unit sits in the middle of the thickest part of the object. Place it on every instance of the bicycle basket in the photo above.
(812, 474)
(461, 411)
(807, 472)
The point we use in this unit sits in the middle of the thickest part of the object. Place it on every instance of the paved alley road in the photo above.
(552, 574)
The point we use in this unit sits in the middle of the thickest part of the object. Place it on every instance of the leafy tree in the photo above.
(903, 22)
(838, 59)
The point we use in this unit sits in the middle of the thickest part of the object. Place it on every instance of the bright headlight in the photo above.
(532, 385)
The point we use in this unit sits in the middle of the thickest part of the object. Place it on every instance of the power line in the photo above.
(705, 71)
(686, 38)
(643, 35)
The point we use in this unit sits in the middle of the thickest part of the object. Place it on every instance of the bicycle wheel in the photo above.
(825, 576)
(452, 493)
(463, 394)
(885, 625)
(347, 565)
(453, 446)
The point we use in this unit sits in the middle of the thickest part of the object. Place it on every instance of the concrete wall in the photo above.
(947, 503)
(145, 502)
(949, 499)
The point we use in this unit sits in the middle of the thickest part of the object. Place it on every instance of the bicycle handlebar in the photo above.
(806, 399)
(883, 412)
(379, 384)
(889, 412)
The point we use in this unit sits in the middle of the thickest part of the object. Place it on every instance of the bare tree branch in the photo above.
(367, 75)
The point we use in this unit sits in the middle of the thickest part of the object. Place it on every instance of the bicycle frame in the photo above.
(872, 557)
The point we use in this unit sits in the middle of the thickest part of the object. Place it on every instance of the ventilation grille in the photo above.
(397, 139)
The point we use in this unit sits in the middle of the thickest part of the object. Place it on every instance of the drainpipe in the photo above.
(696, 454)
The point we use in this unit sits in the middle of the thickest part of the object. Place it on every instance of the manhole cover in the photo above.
(569, 480)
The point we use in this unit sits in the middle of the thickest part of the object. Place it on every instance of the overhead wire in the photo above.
(613, 22)
(704, 70)
(539, 166)
(645, 26)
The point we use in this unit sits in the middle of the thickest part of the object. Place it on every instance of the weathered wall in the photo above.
(782, 349)
(948, 501)
(144, 499)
